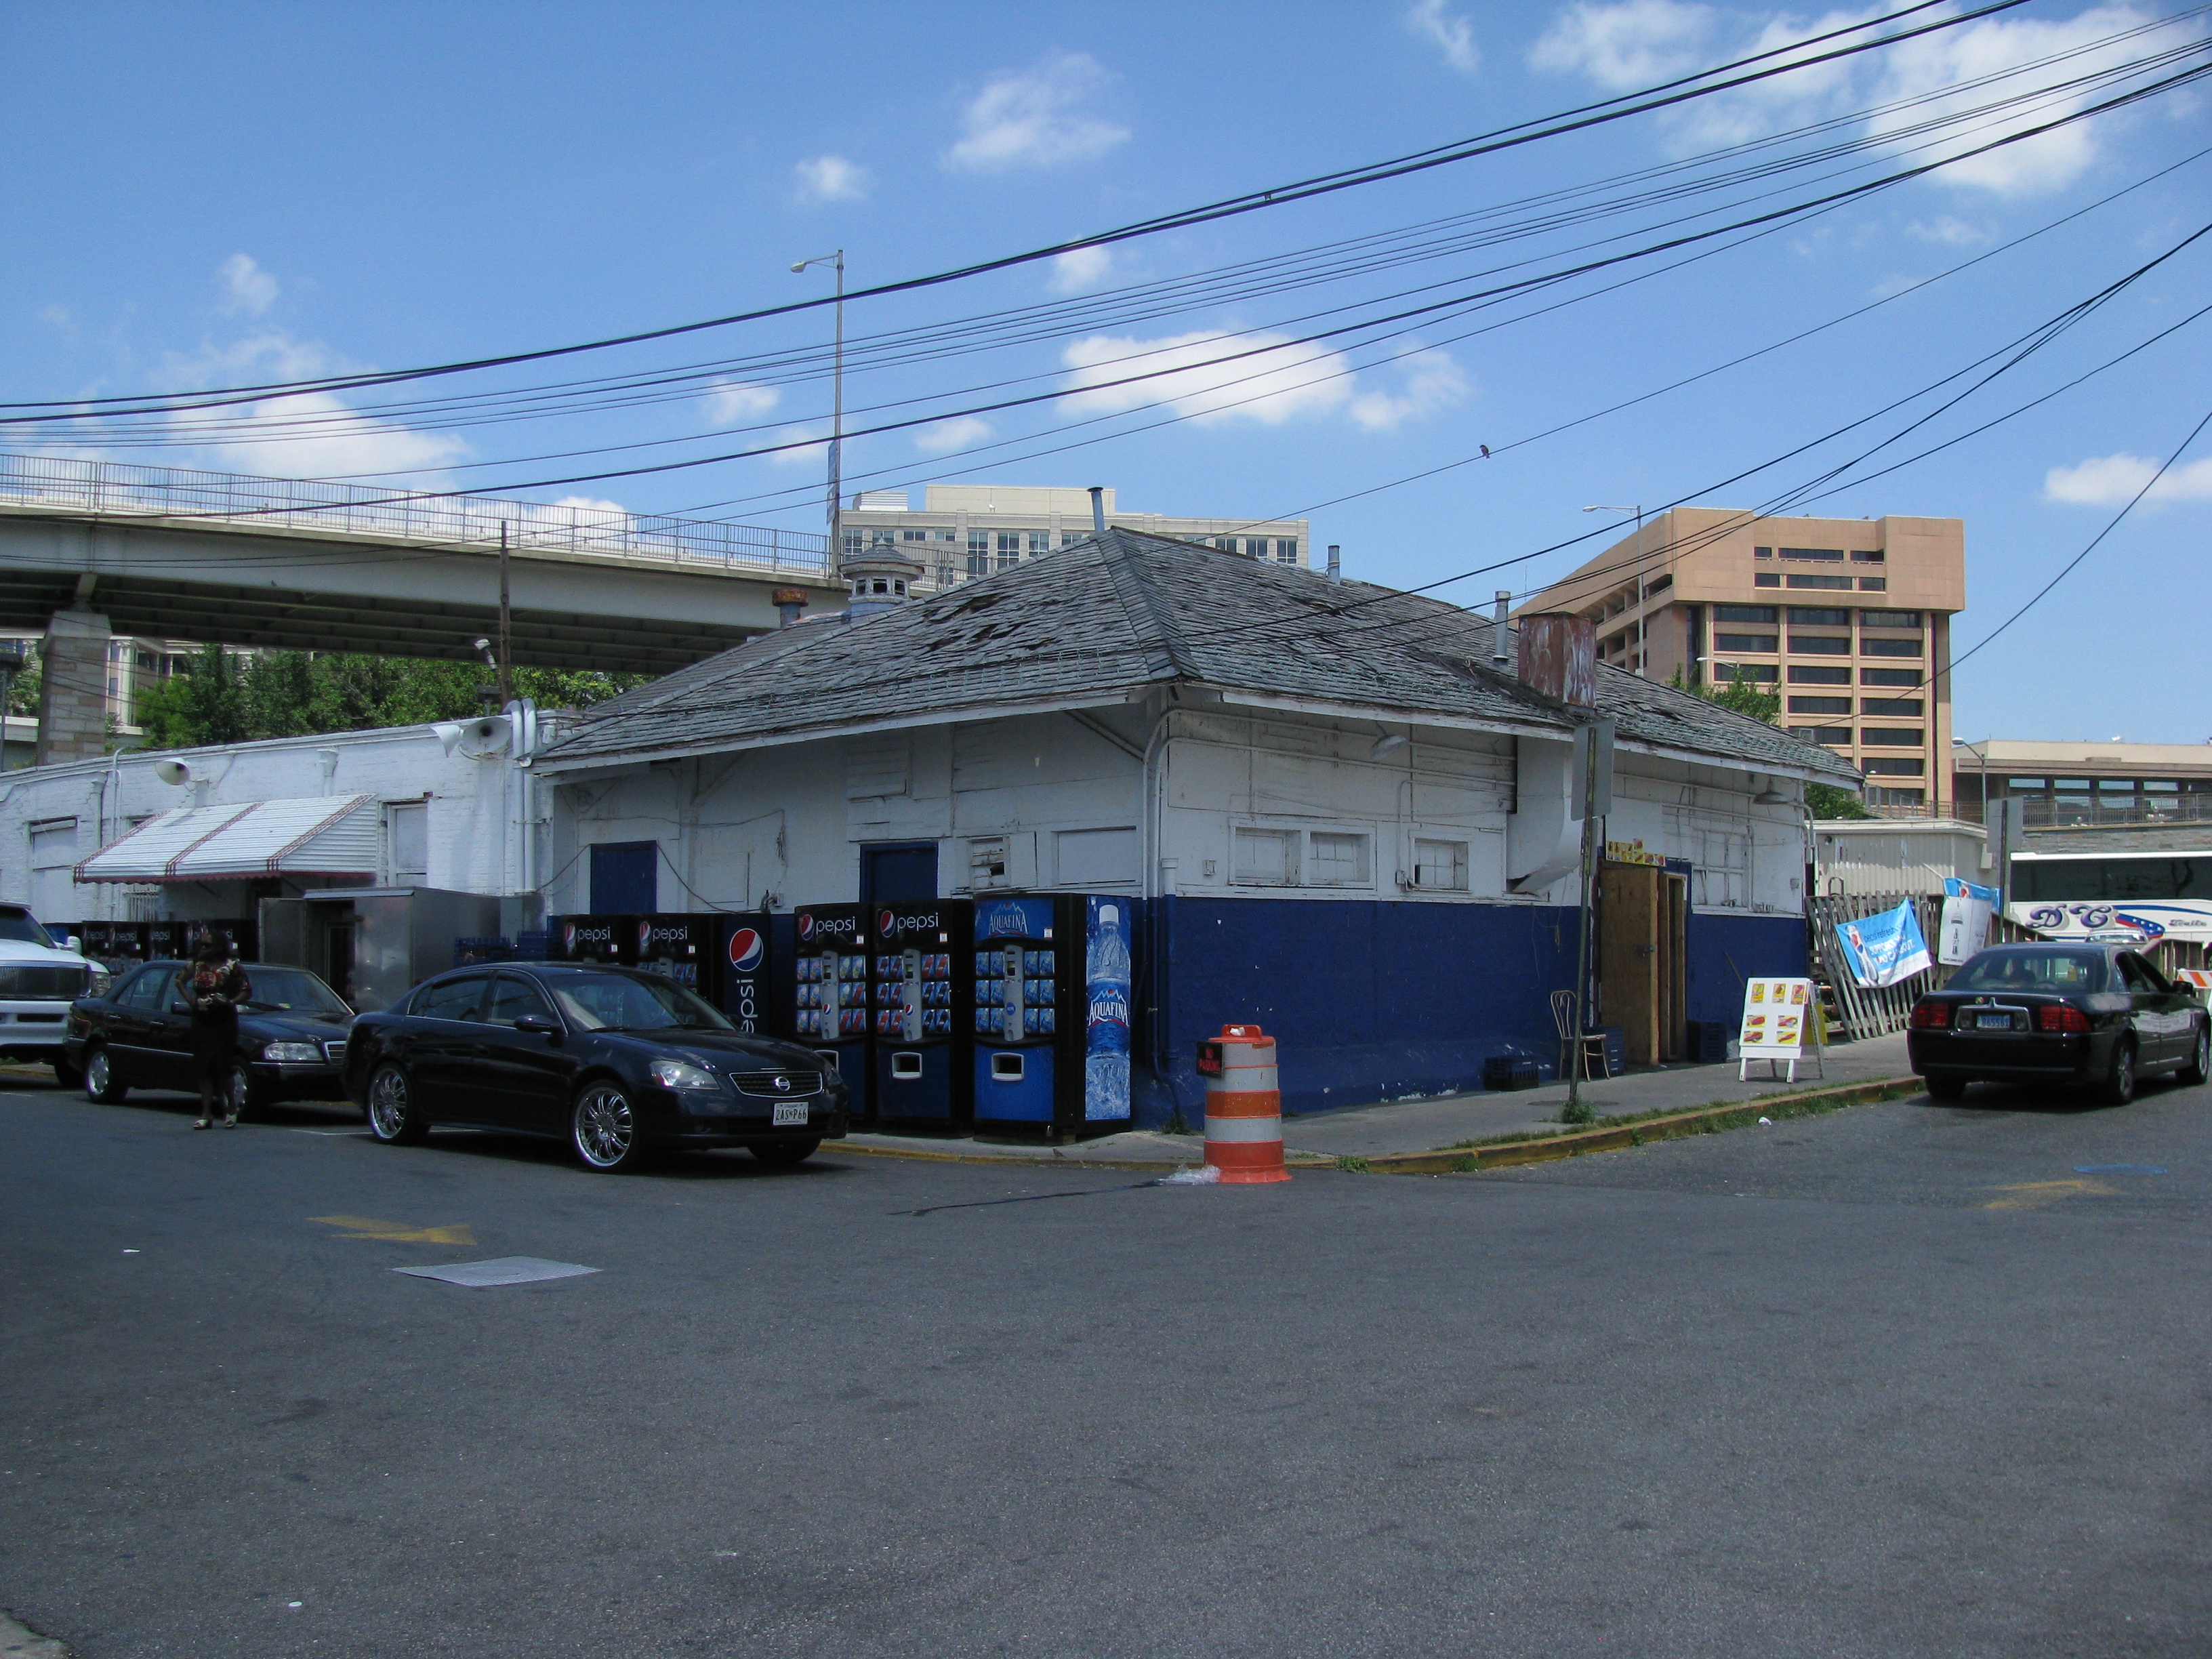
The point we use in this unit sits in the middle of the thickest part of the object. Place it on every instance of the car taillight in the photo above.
(2060, 1018)
(1931, 1016)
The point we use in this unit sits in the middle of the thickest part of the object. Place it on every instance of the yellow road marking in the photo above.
(2035, 1195)
(362, 1226)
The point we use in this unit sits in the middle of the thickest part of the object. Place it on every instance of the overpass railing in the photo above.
(122, 489)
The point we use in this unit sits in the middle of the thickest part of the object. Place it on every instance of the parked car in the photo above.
(138, 1034)
(40, 976)
(614, 1061)
(2098, 1015)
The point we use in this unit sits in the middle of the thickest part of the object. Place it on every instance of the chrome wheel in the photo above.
(605, 1128)
(2200, 1057)
(241, 1091)
(390, 1115)
(2120, 1082)
(100, 1082)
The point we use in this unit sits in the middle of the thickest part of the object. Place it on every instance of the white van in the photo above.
(39, 980)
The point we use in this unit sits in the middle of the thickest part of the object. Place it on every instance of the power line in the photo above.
(1666, 94)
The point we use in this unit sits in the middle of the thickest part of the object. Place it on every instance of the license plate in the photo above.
(794, 1116)
(1995, 1022)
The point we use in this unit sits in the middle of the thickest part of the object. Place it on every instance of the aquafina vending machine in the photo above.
(1052, 1013)
(918, 1013)
(830, 991)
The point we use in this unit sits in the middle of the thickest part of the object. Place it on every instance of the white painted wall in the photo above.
(1054, 802)
(53, 816)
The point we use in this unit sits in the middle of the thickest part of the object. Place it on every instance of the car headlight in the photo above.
(302, 1052)
(681, 1074)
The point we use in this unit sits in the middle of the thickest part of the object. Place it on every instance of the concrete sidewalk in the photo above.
(1420, 1126)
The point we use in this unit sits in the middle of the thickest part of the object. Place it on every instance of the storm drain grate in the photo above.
(501, 1270)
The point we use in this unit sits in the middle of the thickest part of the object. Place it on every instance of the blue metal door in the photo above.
(897, 874)
(625, 878)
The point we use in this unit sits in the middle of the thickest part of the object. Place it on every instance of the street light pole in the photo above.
(837, 392)
(1639, 512)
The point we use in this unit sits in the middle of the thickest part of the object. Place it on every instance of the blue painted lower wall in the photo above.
(1379, 1000)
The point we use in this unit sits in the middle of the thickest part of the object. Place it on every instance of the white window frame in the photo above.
(1418, 876)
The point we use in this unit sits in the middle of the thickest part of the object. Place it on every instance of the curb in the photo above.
(1617, 1137)
(1043, 1159)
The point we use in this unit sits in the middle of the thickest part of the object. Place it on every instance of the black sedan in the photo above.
(2093, 1014)
(614, 1061)
(291, 1037)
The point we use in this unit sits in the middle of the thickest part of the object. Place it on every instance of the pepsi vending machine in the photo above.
(1052, 1013)
(829, 986)
(591, 938)
(918, 1008)
(741, 955)
(681, 948)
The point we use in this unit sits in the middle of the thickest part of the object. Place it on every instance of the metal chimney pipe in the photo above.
(1335, 564)
(790, 604)
(1499, 656)
(1098, 508)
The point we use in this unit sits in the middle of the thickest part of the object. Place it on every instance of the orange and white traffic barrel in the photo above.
(1243, 1108)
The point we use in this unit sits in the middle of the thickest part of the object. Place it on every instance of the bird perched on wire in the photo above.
(1485, 452)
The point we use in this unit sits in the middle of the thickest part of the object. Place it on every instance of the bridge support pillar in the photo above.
(73, 687)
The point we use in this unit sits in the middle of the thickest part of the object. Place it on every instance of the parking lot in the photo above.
(1900, 1380)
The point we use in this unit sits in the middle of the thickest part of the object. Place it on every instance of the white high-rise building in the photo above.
(966, 530)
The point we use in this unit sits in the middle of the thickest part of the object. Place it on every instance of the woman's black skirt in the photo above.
(215, 1045)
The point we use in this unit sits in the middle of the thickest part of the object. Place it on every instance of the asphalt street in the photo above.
(1903, 1380)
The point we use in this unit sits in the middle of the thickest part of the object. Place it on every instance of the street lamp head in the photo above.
(800, 266)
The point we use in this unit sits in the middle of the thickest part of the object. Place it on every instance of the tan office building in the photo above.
(1848, 619)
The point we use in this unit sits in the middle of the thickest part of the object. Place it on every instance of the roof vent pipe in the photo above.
(1499, 656)
(1098, 508)
(1335, 564)
(789, 603)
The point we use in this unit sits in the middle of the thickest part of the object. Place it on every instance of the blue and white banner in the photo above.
(2118, 920)
(1881, 949)
(1967, 910)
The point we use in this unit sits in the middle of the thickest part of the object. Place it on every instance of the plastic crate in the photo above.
(1708, 1041)
(1509, 1072)
(534, 945)
(467, 952)
(1616, 1048)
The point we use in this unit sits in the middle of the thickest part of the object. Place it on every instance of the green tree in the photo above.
(216, 698)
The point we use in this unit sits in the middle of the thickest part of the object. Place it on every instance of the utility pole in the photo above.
(1594, 786)
(506, 660)
(836, 395)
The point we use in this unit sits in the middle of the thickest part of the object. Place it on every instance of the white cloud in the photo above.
(1433, 382)
(1635, 42)
(57, 316)
(959, 432)
(1450, 33)
(315, 434)
(813, 454)
(1079, 268)
(249, 291)
(1281, 380)
(1037, 116)
(736, 400)
(591, 504)
(2113, 480)
(831, 178)
(1632, 44)
(1949, 232)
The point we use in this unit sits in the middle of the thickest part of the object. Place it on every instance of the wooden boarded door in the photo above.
(1632, 927)
(1675, 966)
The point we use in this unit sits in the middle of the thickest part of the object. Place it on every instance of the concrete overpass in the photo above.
(89, 549)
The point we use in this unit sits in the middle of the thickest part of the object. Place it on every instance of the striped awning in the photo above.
(308, 836)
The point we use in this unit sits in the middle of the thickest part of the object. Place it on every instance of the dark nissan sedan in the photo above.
(614, 1061)
(2093, 1014)
(291, 1037)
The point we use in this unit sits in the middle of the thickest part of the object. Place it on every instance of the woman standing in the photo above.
(215, 985)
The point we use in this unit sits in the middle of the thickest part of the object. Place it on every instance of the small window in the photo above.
(1819, 705)
(407, 831)
(1796, 581)
(1874, 555)
(914, 535)
(1888, 647)
(1039, 543)
(1897, 797)
(1762, 552)
(1873, 584)
(1893, 766)
(1745, 641)
(1897, 709)
(1893, 737)
(1816, 555)
(987, 861)
(1264, 858)
(1767, 579)
(2116, 786)
(1904, 677)
(1068, 538)
(1821, 645)
(1725, 672)
(1818, 674)
(1337, 858)
(1889, 619)
(1811, 617)
(2160, 787)
(2025, 785)
(1746, 613)
(1829, 734)
(1440, 865)
(53, 844)
(1286, 549)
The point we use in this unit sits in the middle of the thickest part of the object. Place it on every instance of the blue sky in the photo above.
(235, 194)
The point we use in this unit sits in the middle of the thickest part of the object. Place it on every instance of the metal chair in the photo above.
(1593, 1043)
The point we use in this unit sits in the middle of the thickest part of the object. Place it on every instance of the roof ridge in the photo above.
(1165, 657)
